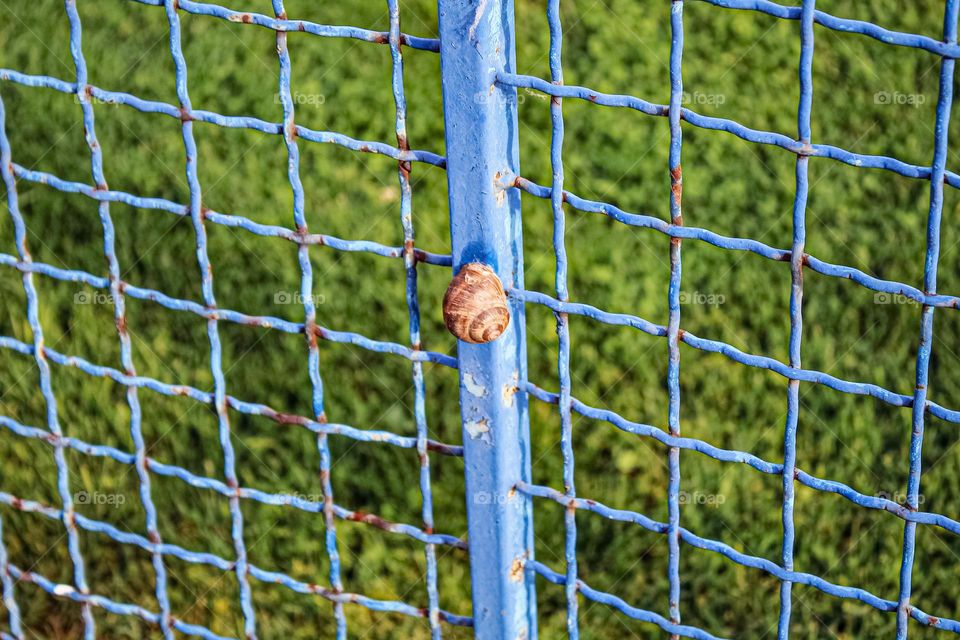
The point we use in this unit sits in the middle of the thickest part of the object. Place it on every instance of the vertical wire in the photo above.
(310, 316)
(9, 599)
(119, 315)
(213, 334)
(413, 310)
(931, 262)
(46, 385)
(796, 312)
(673, 325)
(563, 326)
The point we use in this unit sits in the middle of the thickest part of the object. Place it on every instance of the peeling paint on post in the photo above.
(476, 43)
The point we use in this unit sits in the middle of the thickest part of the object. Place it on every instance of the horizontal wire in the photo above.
(730, 126)
(241, 406)
(230, 122)
(742, 457)
(617, 603)
(822, 267)
(846, 25)
(731, 352)
(68, 592)
(213, 560)
(754, 562)
(227, 220)
(263, 322)
(304, 26)
(212, 484)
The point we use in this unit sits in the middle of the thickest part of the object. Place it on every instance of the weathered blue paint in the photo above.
(571, 583)
(479, 83)
(413, 312)
(796, 316)
(930, 265)
(119, 315)
(673, 304)
(476, 43)
(730, 126)
(67, 513)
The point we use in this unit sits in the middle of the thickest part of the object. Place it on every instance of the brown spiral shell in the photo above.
(475, 305)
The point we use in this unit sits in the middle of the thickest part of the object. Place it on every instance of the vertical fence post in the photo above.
(476, 42)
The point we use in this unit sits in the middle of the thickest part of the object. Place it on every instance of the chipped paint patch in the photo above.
(478, 430)
(63, 590)
(516, 570)
(510, 390)
(473, 387)
(500, 190)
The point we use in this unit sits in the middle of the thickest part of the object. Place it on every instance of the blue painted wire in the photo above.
(209, 559)
(839, 591)
(119, 608)
(46, 385)
(119, 313)
(232, 122)
(739, 244)
(310, 316)
(796, 315)
(673, 303)
(213, 333)
(227, 315)
(296, 501)
(741, 457)
(621, 606)
(911, 40)
(413, 313)
(570, 582)
(931, 262)
(731, 352)
(9, 597)
(722, 124)
(227, 220)
(285, 25)
(250, 408)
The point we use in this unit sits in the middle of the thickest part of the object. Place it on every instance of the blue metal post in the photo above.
(476, 43)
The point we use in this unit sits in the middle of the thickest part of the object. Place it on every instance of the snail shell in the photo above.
(475, 306)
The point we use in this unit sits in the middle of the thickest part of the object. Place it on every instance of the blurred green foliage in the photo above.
(738, 65)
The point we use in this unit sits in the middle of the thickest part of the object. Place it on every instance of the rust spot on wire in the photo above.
(676, 186)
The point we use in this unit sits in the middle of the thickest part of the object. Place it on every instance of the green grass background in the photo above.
(736, 65)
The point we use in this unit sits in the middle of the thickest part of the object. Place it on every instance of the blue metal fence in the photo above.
(208, 309)
(485, 182)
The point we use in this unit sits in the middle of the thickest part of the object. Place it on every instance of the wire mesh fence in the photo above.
(804, 148)
(207, 309)
(507, 578)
